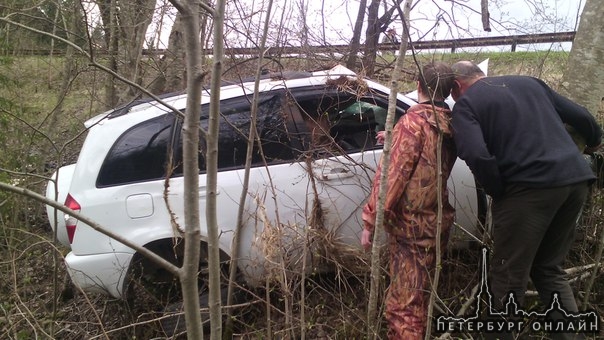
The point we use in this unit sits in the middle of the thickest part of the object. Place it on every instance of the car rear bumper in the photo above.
(99, 273)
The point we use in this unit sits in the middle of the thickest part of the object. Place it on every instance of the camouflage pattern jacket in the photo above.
(411, 204)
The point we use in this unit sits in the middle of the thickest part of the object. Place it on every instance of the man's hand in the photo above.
(380, 137)
(366, 239)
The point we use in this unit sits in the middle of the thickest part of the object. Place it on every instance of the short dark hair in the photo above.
(436, 80)
(466, 70)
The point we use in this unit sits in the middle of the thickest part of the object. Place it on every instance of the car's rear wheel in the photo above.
(173, 321)
(152, 287)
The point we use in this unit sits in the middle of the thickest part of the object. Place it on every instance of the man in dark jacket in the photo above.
(511, 132)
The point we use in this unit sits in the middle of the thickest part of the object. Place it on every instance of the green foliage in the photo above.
(5, 80)
(63, 18)
(6, 106)
(16, 136)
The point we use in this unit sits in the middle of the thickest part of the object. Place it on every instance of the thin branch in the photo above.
(144, 251)
(464, 308)
(596, 267)
(484, 9)
(252, 136)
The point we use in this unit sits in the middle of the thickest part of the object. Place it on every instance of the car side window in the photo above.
(140, 154)
(340, 122)
(331, 123)
(271, 128)
(234, 127)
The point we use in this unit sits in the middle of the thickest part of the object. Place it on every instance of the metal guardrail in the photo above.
(452, 45)
(512, 40)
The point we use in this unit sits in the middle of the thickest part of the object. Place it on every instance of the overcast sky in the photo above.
(521, 16)
(430, 20)
(441, 19)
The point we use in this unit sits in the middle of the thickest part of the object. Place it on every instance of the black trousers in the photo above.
(533, 232)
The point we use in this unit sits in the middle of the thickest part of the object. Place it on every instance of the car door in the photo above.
(344, 159)
(273, 213)
(343, 174)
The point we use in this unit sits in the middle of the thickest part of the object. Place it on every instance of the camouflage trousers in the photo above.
(411, 270)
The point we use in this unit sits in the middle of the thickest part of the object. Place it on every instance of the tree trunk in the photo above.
(372, 35)
(252, 137)
(176, 73)
(355, 42)
(303, 10)
(376, 270)
(583, 80)
(190, 135)
(172, 76)
(212, 169)
(69, 68)
(108, 14)
(134, 18)
(125, 25)
(375, 26)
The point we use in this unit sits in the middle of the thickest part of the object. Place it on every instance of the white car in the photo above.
(310, 177)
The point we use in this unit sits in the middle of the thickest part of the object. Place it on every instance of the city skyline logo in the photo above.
(514, 319)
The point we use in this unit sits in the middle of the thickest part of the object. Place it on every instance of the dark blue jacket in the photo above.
(510, 129)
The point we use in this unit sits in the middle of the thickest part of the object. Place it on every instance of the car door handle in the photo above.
(203, 192)
(336, 173)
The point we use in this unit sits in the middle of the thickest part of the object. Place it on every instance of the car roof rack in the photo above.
(125, 108)
(266, 74)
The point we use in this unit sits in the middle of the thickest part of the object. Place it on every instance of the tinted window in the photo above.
(340, 122)
(139, 154)
(234, 128)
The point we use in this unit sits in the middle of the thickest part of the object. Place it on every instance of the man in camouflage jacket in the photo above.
(411, 206)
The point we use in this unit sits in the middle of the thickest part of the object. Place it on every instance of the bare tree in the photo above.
(172, 68)
(212, 165)
(252, 139)
(383, 188)
(125, 26)
(108, 15)
(372, 35)
(583, 79)
(188, 273)
(304, 29)
(190, 136)
(355, 43)
(375, 25)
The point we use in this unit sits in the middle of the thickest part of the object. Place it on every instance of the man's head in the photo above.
(436, 81)
(466, 73)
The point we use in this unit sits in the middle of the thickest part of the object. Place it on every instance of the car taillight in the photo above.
(70, 221)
